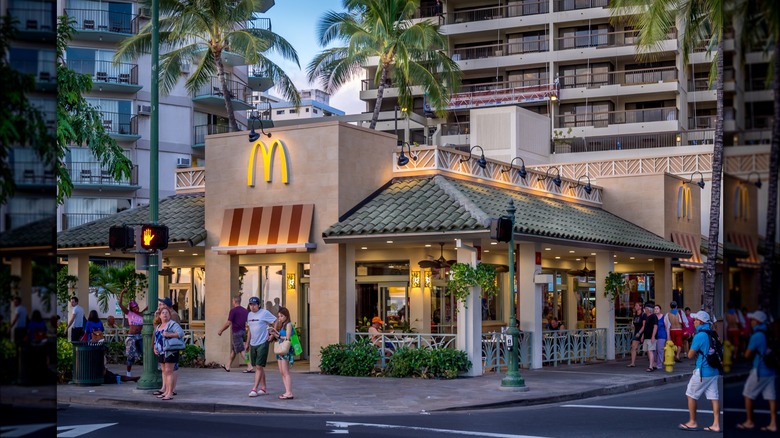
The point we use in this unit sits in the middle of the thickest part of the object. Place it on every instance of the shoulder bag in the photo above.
(296, 342)
(282, 348)
(173, 344)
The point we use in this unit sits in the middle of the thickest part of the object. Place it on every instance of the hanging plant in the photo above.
(613, 285)
(463, 277)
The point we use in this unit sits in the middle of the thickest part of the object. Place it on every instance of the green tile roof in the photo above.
(183, 214)
(40, 233)
(440, 205)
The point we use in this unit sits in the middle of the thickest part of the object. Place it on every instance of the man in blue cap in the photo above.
(704, 380)
(258, 321)
(166, 303)
(761, 381)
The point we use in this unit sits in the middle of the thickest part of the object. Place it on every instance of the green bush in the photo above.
(356, 359)
(115, 353)
(447, 363)
(424, 363)
(192, 356)
(64, 360)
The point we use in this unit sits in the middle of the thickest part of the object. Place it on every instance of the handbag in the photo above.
(173, 344)
(282, 347)
(97, 336)
(296, 343)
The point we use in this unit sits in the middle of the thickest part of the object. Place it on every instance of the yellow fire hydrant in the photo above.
(728, 350)
(670, 351)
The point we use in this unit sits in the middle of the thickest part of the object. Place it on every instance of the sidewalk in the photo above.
(214, 390)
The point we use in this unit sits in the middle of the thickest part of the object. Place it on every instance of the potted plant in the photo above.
(463, 277)
(613, 285)
(563, 140)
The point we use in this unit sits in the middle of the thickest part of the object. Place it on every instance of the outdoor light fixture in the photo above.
(428, 275)
(403, 160)
(481, 162)
(521, 171)
(255, 116)
(290, 281)
(415, 278)
(701, 181)
(588, 187)
(758, 179)
(557, 179)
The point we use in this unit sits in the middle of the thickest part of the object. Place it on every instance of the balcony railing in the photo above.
(120, 123)
(501, 49)
(213, 88)
(103, 21)
(571, 5)
(533, 7)
(42, 71)
(106, 71)
(262, 23)
(623, 77)
(455, 128)
(28, 20)
(70, 220)
(16, 220)
(83, 172)
(33, 172)
(758, 122)
(603, 39)
(201, 131)
(614, 143)
(605, 118)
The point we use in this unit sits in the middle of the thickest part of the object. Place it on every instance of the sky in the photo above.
(296, 21)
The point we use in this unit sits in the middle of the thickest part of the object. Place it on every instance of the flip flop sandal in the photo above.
(682, 426)
(630, 366)
(650, 370)
(249, 371)
(157, 393)
(285, 397)
(224, 368)
(743, 427)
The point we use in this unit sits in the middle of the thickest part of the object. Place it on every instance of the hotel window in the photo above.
(584, 75)
(585, 36)
(527, 42)
(79, 210)
(581, 114)
(293, 111)
(528, 77)
(279, 112)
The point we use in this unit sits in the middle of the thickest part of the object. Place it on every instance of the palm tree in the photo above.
(110, 280)
(201, 32)
(408, 54)
(764, 19)
(701, 21)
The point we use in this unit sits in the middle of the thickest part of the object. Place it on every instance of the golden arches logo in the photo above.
(684, 203)
(268, 153)
(741, 203)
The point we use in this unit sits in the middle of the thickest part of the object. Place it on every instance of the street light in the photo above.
(513, 380)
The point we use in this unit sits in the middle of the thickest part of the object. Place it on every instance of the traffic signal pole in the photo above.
(151, 378)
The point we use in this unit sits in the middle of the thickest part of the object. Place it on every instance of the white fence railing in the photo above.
(191, 336)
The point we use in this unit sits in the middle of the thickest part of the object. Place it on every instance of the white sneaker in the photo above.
(253, 393)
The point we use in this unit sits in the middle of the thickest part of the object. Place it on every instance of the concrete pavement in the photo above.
(214, 390)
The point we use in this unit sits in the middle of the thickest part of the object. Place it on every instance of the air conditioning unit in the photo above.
(186, 67)
(182, 162)
(144, 12)
(144, 110)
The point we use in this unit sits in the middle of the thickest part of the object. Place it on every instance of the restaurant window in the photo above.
(383, 291)
(444, 309)
(555, 297)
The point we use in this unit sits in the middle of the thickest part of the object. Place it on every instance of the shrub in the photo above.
(192, 356)
(64, 360)
(356, 359)
(447, 363)
(115, 353)
(425, 363)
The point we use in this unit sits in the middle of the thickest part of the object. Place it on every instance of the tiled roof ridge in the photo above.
(464, 201)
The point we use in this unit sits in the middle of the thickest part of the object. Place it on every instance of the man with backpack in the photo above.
(761, 380)
(704, 380)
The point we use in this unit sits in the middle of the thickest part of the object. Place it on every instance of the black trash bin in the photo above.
(88, 363)
(33, 365)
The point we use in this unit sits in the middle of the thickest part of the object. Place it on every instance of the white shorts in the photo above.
(698, 386)
(755, 386)
(649, 345)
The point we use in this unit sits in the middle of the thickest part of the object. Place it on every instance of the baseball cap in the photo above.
(132, 304)
(166, 301)
(758, 316)
(377, 319)
(701, 316)
(254, 300)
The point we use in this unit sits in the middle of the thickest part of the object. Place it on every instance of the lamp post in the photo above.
(513, 380)
(150, 378)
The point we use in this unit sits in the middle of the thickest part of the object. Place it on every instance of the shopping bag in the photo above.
(296, 343)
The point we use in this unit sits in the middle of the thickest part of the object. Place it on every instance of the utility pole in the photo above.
(512, 381)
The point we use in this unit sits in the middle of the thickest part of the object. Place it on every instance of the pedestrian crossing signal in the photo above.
(120, 238)
(154, 237)
(501, 229)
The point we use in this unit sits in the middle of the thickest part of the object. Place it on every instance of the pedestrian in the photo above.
(237, 322)
(688, 330)
(282, 331)
(93, 325)
(18, 322)
(649, 334)
(704, 380)
(376, 332)
(675, 324)
(167, 358)
(36, 329)
(134, 347)
(661, 336)
(257, 343)
(761, 380)
(554, 324)
(111, 322)
(76, 320)
(168, 304)
(638, 320)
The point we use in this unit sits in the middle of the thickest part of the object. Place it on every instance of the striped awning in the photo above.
(688, 241)
(749, 244)
(266, 230)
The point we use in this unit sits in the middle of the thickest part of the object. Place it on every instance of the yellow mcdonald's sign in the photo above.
(268, 161)
(684, 203)
(741, 203)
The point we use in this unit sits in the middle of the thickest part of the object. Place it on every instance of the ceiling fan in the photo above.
(584, 272)
(439, 263)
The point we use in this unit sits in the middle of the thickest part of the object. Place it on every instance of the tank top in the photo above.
(135, 319)
(661, 328)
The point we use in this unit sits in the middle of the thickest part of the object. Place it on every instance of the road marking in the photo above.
(27, 429)
(344, 425)
(645, 409)
(80, 429)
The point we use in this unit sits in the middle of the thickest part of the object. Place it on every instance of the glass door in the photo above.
(389, 301)
(444, 310)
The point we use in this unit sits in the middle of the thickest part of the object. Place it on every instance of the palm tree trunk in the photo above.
(767, 273)
(717, 172)
(380, 91)
(226, 93)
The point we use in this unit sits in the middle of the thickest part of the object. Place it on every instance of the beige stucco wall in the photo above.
(332, 165)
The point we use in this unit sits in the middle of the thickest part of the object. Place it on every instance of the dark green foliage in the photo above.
(442, 363)
(192, 356)
(356, 359)
(64, 359)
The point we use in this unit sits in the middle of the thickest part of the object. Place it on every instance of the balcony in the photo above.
(16, 220)
(614, 143)
(211, 94)
(70, 220)
(622, 77)
(259, 80)
(201, 131)
(34, 24)
(573, 5)
(525, 8)
(33, 175)
(191, 180)
(107, 76)
(606, 118)
(702, 122)
(121, 126)
(88, 175)
(626, 38)
(500, 93)
(500, 49)
(44, 72)
(103, 25)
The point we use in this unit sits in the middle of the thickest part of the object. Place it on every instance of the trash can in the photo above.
(88, 363)
(33, 369)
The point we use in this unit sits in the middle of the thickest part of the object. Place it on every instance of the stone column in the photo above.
(327, 299)
(78, 265)
(470, 317)
(530, 298)
(662, 268)
(349, 285)
(570, 312)
(222, 276)
(605, 308)
(22, 267)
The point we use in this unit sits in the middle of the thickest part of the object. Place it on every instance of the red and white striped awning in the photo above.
(689, 242)
(749, 244)
(266, 230)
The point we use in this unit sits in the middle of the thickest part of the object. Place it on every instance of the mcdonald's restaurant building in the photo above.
(322, 219)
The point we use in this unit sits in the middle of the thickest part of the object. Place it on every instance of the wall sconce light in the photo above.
(678, 139)
(290, 281)
(557, 179)
(521, 171)
(758, 179)
(415, 278)
(701, 181)
(588, 187)
(428, 275)
(403, 160)
(481, 162)
(263, 116)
